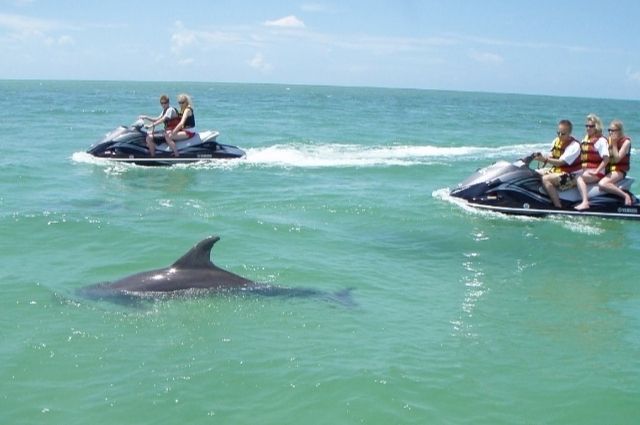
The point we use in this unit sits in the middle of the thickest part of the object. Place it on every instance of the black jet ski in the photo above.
(514, 188)
(127, 144)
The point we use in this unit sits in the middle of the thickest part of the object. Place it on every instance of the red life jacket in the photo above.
(171, 123)
(625, 162)
(589, 155)
(556, 152)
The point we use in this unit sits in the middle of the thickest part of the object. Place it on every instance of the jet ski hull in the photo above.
(621, 212)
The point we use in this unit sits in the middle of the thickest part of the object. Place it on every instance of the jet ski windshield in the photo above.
(495, 171)
(487, 174)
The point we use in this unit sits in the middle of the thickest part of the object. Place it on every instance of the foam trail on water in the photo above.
(584, 225)
(336, 155)
(444, 195)
(349, 155)
(110, 167)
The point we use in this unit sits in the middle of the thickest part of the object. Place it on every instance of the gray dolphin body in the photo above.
(194, 273)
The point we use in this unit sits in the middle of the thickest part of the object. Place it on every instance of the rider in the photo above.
(595, 158)
(620, 154)
(564, 160)
(186, 128)
(169, 117)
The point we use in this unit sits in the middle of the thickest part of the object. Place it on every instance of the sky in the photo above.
(565, 48)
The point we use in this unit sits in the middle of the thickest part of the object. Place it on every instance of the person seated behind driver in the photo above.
(186, 128)
(564, 160)
(169, 117)
(620, 162)
(595, 158)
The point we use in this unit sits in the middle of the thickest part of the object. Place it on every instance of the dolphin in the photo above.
(195, 273)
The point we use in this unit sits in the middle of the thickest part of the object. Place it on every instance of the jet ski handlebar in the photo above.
(138, 124)
(527, 159)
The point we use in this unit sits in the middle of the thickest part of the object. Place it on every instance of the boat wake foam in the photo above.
(109, 166)
(583, 225)
(337, 155)
(351, 155)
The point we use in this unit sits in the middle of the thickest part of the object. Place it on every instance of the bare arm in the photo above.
(148, 118)
(180, 125)
(618, 154)
(602, 168)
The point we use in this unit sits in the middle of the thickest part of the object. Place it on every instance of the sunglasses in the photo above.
(560, 133)
(182, 102)
(613, 130)
(590, 125)
(164, 103)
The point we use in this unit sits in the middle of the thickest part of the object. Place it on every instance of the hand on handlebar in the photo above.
(539, 157)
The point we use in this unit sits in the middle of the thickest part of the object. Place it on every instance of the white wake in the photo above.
(336, 155)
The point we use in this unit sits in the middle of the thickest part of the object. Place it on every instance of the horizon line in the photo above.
(347, 86)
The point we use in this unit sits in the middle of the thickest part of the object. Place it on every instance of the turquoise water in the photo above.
(461, 317)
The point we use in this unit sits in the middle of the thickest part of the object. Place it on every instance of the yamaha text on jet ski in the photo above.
(127, 144)
(514, 188)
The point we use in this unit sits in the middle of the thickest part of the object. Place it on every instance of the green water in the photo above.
(461, 317)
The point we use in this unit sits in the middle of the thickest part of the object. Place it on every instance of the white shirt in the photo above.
(602, 146)
(570, 153)
(169, 114)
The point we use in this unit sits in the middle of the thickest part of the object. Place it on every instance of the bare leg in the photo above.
(151, 145)
(582, 181)
(582, 187)
(549, 182)
(171, 143)
(608, 184)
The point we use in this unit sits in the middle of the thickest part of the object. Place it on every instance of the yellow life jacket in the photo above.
(557, 150)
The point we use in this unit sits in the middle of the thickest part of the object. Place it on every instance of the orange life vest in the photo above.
(625, 162)
(589, 155)
(556, 152)
(171, 123)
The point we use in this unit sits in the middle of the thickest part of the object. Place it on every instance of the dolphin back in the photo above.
(199, 256)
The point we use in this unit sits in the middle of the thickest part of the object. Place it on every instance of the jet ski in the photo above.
(127, 144)
(515, 188)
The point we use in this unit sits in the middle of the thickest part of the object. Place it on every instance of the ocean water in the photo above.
(461, 316)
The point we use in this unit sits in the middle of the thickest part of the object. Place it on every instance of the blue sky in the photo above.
(568, 48)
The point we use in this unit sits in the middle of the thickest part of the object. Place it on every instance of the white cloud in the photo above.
(182, 39)
(313, 7)
(24, 27)
(258, 62)
(20, 29)
(287, 22)
(66, 40)
(633, 75)
(385, 45)
(186, 61)
(486, 57)
(522, 44)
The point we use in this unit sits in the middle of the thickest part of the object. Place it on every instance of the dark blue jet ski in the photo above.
(127, 144)
(515, 188)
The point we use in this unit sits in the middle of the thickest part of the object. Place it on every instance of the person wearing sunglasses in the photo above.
(186, 128)
(620, 160)
(564, 160)
(594, 156)
(169, 116)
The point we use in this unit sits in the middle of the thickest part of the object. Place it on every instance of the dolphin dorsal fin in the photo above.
(199, 255)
